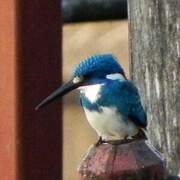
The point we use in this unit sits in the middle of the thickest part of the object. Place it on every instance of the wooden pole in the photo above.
(30, 68)
(154, 30)
(134, 160)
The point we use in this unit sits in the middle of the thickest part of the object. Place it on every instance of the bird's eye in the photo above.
(77, 79)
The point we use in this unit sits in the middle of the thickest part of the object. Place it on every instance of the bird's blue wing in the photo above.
(132, 102)
(125, 97)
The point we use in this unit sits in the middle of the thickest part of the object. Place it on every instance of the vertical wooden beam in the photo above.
(8, 85)
(155, 63)
(39, 53)
(31, 142)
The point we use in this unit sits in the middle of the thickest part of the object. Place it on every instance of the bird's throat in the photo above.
(91, 92)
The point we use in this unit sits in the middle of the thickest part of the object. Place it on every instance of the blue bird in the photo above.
(111, 102)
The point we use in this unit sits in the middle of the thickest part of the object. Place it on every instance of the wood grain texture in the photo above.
(134, 160)
(155, 65)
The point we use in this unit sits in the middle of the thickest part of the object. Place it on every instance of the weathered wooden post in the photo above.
(155, 66)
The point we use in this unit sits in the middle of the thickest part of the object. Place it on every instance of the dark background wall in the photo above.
(93, 10)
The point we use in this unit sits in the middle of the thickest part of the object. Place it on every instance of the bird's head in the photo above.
(89, 72)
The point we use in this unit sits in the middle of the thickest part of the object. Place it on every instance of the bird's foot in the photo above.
(99, 142)
(119, 141)
(140, 135)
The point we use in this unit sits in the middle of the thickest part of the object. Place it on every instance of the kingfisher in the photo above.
(111, 102)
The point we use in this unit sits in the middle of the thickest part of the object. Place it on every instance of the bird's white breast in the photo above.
(109, 124)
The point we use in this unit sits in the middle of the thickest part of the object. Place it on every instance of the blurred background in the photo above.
(90, 27)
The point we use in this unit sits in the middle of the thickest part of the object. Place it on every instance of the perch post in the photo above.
(136, 160)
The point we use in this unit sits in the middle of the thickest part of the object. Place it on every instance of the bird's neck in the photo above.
(93, 92)
(92, 96)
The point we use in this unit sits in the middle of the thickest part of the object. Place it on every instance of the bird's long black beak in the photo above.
(61, 91)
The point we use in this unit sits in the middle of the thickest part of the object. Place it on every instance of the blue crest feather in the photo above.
(98, 65)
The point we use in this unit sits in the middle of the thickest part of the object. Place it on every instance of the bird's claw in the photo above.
(99, 142)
